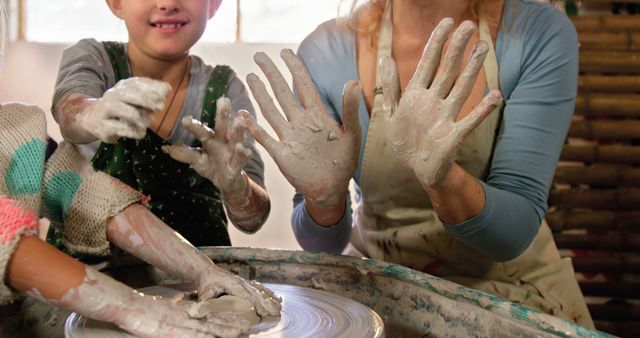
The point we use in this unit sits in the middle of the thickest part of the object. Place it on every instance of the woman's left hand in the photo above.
(421, 127)
(218, 281)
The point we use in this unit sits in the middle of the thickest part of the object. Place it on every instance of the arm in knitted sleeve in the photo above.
(22, 151)
(83, 200)
(71, 190)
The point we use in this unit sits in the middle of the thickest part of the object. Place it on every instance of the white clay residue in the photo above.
(231, 305)
(135, 239)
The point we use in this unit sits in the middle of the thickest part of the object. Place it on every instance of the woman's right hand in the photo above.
(316, 154)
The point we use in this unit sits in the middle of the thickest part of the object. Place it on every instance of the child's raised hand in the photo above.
(316, 154)
(223, 153)
(421, 126)
(124, 110)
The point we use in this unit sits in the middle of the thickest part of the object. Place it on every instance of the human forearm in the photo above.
(139, 232)
(34, 262)
(498, 223)
(67, 110)
(248, 206)
(122, 111)
(458, 198)
(503, 229)
(222, 159)
(32, 266)
(90, 293)
(327, 216)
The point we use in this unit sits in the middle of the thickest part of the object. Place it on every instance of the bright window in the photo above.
(283, 21)
(70, 20)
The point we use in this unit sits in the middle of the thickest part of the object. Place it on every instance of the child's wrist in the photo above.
(238, 196)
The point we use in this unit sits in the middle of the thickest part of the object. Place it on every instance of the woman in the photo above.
(449, 180)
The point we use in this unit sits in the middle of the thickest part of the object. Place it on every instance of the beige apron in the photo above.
(395, 221)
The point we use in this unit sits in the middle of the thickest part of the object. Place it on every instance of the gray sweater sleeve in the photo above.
(84, 68)
(314, 237)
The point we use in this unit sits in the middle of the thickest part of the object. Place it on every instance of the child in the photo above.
(106, 101)
(95, 209)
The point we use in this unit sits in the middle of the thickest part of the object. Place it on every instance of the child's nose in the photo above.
(169, 5)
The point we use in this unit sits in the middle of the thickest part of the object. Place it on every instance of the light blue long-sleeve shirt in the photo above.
(537, 52)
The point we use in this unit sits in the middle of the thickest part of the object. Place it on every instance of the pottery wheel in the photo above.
(305, 313)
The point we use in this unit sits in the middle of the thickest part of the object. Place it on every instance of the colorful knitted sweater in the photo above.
(65, 189)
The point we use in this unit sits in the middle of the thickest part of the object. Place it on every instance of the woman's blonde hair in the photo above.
(366, 16)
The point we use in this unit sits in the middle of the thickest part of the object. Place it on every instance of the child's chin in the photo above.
(170, 54)
(166, 51)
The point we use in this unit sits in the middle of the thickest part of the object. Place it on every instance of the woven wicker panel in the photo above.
(594, 204)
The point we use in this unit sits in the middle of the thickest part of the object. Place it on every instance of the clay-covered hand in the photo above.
(124, 110)
(421, 128)
(218, 281)
(139, 232)
(102, 298)
(223, 153)
(316, 154)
